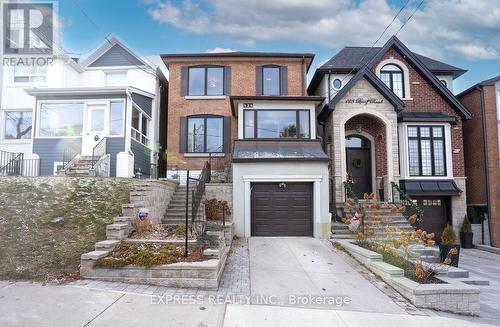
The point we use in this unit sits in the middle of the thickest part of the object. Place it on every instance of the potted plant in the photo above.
(466, 234)
(448, 248)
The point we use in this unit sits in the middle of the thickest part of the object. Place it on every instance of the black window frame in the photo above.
(205, 81)
(264, 82)
(431, 137)
(204, 117)
(256, 124)
(391, 80)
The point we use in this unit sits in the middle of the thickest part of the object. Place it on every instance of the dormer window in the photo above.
(392, 76)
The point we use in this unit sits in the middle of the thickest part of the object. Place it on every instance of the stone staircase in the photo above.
(176, 211)
(80, 167)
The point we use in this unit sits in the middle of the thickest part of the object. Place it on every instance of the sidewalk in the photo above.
(31, 304)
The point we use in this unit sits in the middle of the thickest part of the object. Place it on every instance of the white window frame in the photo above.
(3, 120)
(120, 71)
(134, 132)
(404, 150)
(30, 76)
(38, 118)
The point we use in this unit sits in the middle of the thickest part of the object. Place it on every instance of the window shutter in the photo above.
(183, 135)
(227, 134)
(184, 81)
(227, 80)
(284, 80)
(258, 80)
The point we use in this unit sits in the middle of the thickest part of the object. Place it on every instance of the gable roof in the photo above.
(371, 59)
(487, 82)
(112, 52)
(380, 86)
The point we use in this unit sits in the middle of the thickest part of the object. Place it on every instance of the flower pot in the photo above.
(466, 239)
(444, 249)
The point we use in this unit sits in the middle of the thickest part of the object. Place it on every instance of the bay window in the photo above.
(205, 134)
(18, 125)
(275, 124)
(61, 119)
(140, 126)
(426, 151)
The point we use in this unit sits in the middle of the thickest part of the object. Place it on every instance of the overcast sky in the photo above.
(464, 33)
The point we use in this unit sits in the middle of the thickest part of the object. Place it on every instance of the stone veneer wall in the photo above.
(154, 195)
(222, 192)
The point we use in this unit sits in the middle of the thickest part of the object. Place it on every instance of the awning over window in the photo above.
(275, 150)
(425, 117)
(430, 187)
(143, 102)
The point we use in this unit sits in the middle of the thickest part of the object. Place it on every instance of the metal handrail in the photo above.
(14, 165)
(68, 155)
(99, 151)
(407, 201)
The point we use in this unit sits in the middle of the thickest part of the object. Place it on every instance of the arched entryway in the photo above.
(359, 163)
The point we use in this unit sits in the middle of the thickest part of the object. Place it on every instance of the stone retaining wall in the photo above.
(154, 195)
(454, 296)
(222, 192)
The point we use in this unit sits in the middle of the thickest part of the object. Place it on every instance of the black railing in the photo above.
(68, 155)
(411, 206)
(99, 151)
(196, 196)
(14, 164)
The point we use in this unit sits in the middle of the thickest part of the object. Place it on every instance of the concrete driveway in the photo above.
(302, 271)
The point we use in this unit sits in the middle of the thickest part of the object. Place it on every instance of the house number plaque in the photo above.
(248, 105)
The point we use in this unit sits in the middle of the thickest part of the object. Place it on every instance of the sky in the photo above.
(463, 33)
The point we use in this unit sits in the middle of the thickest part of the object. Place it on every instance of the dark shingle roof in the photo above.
(420, 116)
(434, 187)
(350, 57)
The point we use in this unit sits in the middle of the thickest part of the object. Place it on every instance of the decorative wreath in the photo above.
(357, 163)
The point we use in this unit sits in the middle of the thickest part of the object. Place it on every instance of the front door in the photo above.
(359, 164)
(96, 122)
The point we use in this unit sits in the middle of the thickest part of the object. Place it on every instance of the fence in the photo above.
(14, 164)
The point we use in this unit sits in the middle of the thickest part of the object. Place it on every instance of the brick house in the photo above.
(251, 111)
(394, 120)
(482, 157)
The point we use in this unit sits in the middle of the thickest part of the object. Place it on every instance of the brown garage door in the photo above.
(282, 209)
(435, 215)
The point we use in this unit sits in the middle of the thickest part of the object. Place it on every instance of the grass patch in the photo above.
(47, 223)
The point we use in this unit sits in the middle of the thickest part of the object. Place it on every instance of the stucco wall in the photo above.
(244, 173)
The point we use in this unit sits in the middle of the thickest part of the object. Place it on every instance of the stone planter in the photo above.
(454, 296)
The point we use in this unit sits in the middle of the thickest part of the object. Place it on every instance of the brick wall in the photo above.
(243, 82)
(425, 98)
(375, 128)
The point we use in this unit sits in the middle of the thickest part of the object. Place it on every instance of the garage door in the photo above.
(282, 209)
(435, 215)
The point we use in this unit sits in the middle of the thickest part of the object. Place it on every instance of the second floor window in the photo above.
(116, 78)
(206, 81)
(275, 124)
(271, 81)
(30, 74)
(205, 134)
(392, 76)
(426, 151)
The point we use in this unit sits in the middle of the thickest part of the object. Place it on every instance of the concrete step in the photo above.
(429, 258)
(342, 236)
(341, 231)
(123, 220)
(117, 231)
(106, 245)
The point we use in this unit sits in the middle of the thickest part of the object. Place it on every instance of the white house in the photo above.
(105, 107)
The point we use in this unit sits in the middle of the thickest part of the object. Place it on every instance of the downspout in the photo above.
(486, 172)
(303, 76)
(328, 86)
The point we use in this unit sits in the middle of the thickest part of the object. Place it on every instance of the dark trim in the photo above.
(429, 117)
(452, 190)
(236, 160)
(256, 128)
(206, 79)
(417, 64)
(306, 98)
(431, 138)
(241, 54)
(391, 77)
(488, 82)
(374, 81)
(204, 117)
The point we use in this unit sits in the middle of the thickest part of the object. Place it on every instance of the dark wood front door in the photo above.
(359, 164)
(435, 216)
(282, 209)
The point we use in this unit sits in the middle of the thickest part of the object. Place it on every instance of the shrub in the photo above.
(448, 236)
(214, 209)
(466, 226)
